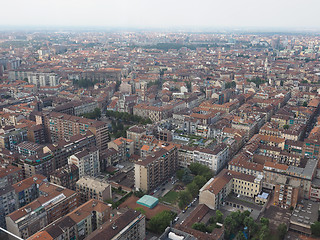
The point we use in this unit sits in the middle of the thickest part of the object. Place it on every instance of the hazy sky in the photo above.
(162, 14)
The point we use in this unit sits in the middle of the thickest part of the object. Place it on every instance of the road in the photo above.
(167, 187)
(182, 216)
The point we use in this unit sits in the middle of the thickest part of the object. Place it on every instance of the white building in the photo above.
(87, 161)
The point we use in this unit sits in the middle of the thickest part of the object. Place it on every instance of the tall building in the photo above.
(154, 169)
(124, 146)
(135, 133)
(61, 126)
(77, 224)
(63, 149)
(90, 188)
(87, 162)
(36, 134)
(55, 202)
(66, 176)
(8, 203)
(129, 225)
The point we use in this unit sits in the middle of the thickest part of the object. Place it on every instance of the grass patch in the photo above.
(170, 197)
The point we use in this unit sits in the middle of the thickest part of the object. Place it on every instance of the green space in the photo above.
(96, 114)
(194, 178)
(161, 221)
(218, 218)
(170, 197)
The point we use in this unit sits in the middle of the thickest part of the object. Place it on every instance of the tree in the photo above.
(180, 174)
(241, 236)
(160, 221)
(193, 189)
(200, 181)
(305, 104)
(282, 230)
(286, 126)
(199, 226)
(184, 198)
(264, 221)
(264, 233)
(141, 210)
(219, 216)
(315, 229)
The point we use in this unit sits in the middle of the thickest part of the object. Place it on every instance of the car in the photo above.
(163, 189)
(176, 219)
(183, 210)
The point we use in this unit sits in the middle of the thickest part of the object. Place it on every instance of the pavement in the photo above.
(182, 216)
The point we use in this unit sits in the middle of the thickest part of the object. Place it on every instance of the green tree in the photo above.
(199, 226)
(219, 216)
(305, 104)
(184, 199)
(264, 221)
(282, 230)
(180, 174)
(200, 181)
(241, 236)
(193, 189)
(141, 210)
(286, 126)
(264, 233)
(315, 229)
(160, 221)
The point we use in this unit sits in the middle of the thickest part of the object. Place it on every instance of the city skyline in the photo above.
(187, 15)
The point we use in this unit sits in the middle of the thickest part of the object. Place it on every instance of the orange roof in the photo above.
(145, 148)
(276, 165)
(43, 235)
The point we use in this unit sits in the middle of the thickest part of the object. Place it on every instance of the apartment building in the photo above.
(77, 224)
(215, 159)
(215, 191)
(55, 202)
(63, 149)
(124, 146)
(152, 170)
(66, 176)
(155, 114)
(10, 175)
(36, 78)
(60, 126)
(87, 161)
(287, 192)
(135, 133)
(27, 190)
(11, 137)
(8, 203)
(36, 134)
(129, 225)
(41, 163)
(91, 188)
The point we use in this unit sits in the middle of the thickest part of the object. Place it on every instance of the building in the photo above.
(155, 114)
(55, 201)
(87, 161)
(66, 176)
(90, 188)
(11, 137)
(215, 159)
(77, 224)
(8, 203)
(27, 148)
(124, 146)
(65, 148)
(303, 216)
(108, 157)
(10, 175)
(36, 134)
(154, 169)
(287, 192)
(37, 78)
(60, 126)
(129, 225)
(135, 133)
(27, 190)
(215, 191)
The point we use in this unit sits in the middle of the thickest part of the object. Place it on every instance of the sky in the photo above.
(207, 14)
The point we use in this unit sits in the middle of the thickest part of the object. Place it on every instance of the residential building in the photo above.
(124, 146)
(154, 169)
(60, 126)
(8, 203)
(27, 190)
(79, 223)
(10, 175)
(54, 202)
(87, 161)
(11, 137)
(36, 134)
(66, 176)
(90, 188)
(215, 191)
(129, 225)
(135, 133)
